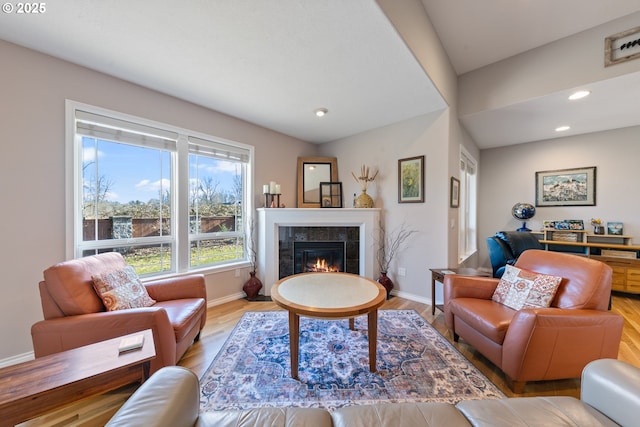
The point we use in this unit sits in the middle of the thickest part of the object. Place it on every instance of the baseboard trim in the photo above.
(412, 297)
(225, 299)
(19, 358)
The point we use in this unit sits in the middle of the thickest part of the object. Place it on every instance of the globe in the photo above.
(523, 212)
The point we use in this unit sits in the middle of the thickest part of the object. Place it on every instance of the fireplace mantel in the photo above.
(270, 219)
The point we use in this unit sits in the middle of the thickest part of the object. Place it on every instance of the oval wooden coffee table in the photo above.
(329, 296)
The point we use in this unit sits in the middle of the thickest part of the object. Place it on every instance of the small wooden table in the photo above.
(33, 388)
(329, 296)
(437, 275)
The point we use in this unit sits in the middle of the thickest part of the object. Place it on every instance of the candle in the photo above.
(277, 188)
(272, 187)
(265, 189)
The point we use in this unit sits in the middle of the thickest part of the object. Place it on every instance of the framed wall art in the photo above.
(454, 193)
(566, 187)
(331, 194)
(411, 180)
(622, 47)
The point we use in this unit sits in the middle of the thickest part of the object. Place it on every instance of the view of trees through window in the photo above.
(128, 204)
(215, 206)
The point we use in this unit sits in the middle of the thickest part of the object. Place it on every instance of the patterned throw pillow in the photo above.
(122, 289)
(520, 288)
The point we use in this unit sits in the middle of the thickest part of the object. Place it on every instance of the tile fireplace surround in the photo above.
(271, 219)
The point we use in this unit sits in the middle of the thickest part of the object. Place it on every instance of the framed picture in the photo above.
(568, 224)
(454, 193)
(566, 187)
(614, 228)
(331, 194)
(411, 180)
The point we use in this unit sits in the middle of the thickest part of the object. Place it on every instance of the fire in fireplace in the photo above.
(319, 257)
(321, 265)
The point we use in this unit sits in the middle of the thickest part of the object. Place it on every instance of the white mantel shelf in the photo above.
(270, 219)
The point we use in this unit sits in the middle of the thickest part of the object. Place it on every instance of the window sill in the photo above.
(220, 268)
(463, 258)
(204, 270)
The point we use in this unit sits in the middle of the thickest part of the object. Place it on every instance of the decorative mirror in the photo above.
(311, 172)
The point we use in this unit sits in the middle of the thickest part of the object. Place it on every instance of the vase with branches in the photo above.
(253, 285)
(389, 243)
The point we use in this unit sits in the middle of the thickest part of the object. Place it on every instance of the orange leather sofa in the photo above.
(74, 314)
(541, 343)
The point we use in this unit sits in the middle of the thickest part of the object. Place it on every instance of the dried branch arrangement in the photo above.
(252, 252)
(364, 179)
(390, 243)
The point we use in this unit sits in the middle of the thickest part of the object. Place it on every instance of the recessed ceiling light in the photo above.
(579, 94)
(320, 112)
(562, 128)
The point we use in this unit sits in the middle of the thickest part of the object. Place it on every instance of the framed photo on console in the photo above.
(614, 228)
(331, 194)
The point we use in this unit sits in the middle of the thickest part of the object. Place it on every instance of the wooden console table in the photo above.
(614, 250)
(33, 388)
(437, 275)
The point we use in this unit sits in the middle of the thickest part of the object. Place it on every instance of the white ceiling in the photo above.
(478, 33)
(273, 63)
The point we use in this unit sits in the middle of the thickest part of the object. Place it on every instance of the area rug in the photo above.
(414, 364)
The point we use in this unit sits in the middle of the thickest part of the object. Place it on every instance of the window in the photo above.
(467, 240)
(168, 199)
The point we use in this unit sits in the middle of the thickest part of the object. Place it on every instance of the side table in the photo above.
(33, 388)
(437, 275)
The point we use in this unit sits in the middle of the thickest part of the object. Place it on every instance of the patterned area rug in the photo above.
(415, 364)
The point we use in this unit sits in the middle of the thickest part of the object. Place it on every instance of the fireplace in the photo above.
(324, 257)
(279, 229)
(300, 248)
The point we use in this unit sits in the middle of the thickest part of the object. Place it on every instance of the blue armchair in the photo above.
(506, 246)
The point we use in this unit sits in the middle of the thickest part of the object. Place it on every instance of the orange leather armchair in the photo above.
(541, 343)
(74, 314)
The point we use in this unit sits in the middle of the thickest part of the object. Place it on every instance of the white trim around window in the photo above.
(178, 225)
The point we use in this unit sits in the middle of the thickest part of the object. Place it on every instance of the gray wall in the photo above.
(34, 88)
(507, 176)
(381, 149)
(32, 171)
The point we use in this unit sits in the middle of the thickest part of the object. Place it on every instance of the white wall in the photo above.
(380, 149)
(507, 176)
(32, 170)
(412, 23)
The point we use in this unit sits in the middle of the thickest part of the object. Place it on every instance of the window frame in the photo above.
(468, 209)
(180, 237)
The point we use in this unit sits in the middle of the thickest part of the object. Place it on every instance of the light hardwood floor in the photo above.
(222, 319)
